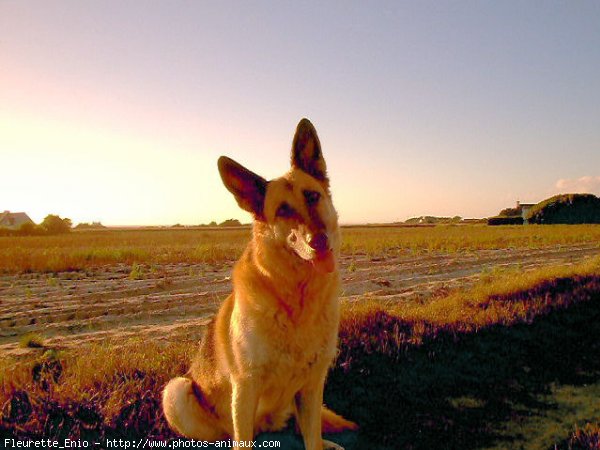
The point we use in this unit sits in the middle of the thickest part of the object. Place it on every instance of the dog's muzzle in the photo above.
(319, 242)
(324, 259)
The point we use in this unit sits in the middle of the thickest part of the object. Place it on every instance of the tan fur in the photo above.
(266, 354)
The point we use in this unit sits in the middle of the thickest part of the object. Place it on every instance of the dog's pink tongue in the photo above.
(324, 262)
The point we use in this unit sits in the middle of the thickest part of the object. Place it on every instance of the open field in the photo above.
(82, 250)
(145, 293)
(453, 337)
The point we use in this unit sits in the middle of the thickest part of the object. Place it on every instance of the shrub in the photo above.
(511, 212)
(53, 224)
(566, 208)
(505, 220)
(30, 229)
(89, 226)
(230, 223)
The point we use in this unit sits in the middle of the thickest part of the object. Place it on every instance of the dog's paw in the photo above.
(328, 445)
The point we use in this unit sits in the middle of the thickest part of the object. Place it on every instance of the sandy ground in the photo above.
(73, 308)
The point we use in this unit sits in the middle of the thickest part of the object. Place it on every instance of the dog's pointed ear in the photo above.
(306, 152)
(248, 188)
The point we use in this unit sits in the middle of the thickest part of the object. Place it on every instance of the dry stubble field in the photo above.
(417, 303)
(116, 284)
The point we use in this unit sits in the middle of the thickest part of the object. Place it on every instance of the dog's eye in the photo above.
(285, 210)
(311, 197)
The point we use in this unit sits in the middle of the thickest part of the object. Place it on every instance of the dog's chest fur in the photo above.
(304, 336)
(294, 349)
(290, 332)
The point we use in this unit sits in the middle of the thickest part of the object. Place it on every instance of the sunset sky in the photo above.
(116, 111)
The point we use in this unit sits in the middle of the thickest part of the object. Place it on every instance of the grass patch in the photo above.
(93, 393)
(137, 272)
(585, 437)
(32, 340)
(563, 406)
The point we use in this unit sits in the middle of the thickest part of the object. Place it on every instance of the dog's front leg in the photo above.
(309, 401)
(244, 401)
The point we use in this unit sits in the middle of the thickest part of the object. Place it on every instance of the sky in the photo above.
(116, 111)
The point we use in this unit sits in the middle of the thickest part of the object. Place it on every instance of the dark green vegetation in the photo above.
(230, 223)
(418, 380)
(511, 212)
(567, 209)
(560, 209)
(505, 220)
(90, 226)
(508, 216)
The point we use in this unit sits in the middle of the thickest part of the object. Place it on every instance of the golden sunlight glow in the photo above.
(92, 174)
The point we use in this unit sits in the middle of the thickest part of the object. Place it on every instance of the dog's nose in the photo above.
(319, 242)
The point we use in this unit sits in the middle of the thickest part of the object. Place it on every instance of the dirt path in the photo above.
(76, 307)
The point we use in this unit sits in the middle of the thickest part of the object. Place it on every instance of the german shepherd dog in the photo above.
(266, 354)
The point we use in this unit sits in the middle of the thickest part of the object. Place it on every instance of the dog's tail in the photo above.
(188, 412)
(334, 423)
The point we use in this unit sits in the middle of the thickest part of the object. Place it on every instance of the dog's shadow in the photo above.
(449, 394)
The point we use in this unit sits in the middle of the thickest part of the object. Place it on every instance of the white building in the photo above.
(525, 207)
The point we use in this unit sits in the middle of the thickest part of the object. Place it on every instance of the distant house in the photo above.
(13, 220)
(524, 207)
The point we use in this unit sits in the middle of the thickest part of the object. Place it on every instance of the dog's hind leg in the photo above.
(188, 412)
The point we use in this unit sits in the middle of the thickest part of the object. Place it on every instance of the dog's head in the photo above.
(295, 209)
